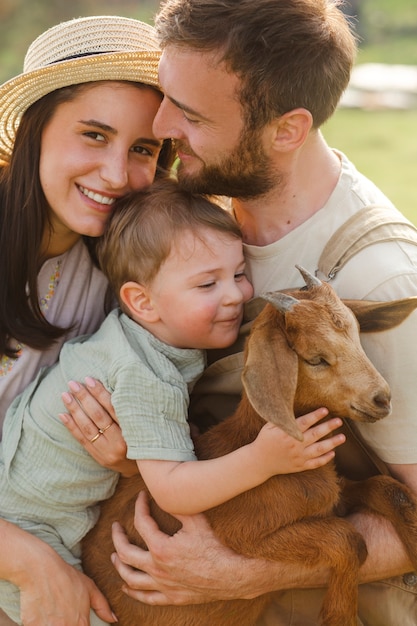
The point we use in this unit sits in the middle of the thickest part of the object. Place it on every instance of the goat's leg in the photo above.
(392, 500)
(329, 543)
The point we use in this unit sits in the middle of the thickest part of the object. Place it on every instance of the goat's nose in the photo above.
(383, 400)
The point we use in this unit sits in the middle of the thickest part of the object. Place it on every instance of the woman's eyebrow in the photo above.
(98, 124)
(109, 129)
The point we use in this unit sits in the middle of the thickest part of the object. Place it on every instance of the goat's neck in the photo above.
(234, 432)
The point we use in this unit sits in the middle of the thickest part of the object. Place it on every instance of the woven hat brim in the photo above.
(18, 94)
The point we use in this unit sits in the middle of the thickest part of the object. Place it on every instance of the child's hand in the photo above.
(280, 453)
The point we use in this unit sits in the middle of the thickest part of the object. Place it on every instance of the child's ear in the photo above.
(137, 299)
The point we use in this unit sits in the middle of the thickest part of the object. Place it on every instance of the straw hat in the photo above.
(79, 51)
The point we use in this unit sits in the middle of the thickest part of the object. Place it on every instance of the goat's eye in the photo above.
(318, 360)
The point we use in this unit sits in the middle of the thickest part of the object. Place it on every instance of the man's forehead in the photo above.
(183, 59)
(187, 75)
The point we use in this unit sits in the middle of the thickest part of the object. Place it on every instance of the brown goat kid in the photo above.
(303, 352)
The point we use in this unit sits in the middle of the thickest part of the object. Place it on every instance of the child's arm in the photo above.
(195, 486)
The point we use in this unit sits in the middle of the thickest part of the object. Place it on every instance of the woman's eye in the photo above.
(142, 150)
(94, 135)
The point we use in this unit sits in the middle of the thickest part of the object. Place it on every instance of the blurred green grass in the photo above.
(383, 146)
(383, 143)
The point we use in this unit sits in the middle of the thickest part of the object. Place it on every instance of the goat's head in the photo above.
(304, 352)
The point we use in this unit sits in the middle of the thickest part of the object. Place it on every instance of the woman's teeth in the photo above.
(97, 197)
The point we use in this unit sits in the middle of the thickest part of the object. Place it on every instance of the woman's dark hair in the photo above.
(23, 222)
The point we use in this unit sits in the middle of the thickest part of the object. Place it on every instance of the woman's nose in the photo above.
(114, 172)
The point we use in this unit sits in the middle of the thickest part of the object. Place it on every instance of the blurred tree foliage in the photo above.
(21, 21)
(387, 28)
(388, 31)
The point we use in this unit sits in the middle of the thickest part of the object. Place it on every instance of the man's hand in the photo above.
(189, 568)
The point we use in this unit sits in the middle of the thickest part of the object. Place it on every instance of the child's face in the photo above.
(200, 290)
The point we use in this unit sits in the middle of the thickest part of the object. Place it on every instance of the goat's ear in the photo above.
(270, 377)
(379, 316)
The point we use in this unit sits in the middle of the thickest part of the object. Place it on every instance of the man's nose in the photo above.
(165, 124)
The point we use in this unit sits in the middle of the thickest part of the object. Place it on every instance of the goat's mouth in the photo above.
(374, 415)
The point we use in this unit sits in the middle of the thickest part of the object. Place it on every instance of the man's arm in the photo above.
(387, 556)
(194, 567)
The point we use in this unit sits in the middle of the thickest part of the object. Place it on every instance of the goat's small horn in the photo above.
(281, 301)
(310, 279)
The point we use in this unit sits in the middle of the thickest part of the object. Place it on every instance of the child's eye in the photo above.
(207, 285)
(240, 276)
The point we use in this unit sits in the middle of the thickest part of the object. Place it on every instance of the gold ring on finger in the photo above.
(100, 432)
(96, 436)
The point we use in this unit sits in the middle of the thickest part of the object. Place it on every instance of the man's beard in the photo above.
(246, 173)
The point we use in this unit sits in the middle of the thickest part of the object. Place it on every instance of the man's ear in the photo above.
(137, 300)
(291, 129)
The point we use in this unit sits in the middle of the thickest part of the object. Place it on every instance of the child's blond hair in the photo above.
(145, 225)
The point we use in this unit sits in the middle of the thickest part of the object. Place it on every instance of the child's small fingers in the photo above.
(315, 433)
(323, 451)
(304, 422)
(325, 446)
(320, 460)
(327, 428)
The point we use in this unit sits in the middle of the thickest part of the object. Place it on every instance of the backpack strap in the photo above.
(371, 224)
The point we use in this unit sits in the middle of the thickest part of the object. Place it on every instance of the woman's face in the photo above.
(96, 147)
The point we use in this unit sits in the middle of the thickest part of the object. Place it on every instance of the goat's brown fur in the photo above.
(295, 361)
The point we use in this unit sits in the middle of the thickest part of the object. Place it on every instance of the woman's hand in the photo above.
(52, 592)
(93, 422)
(62, 599)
